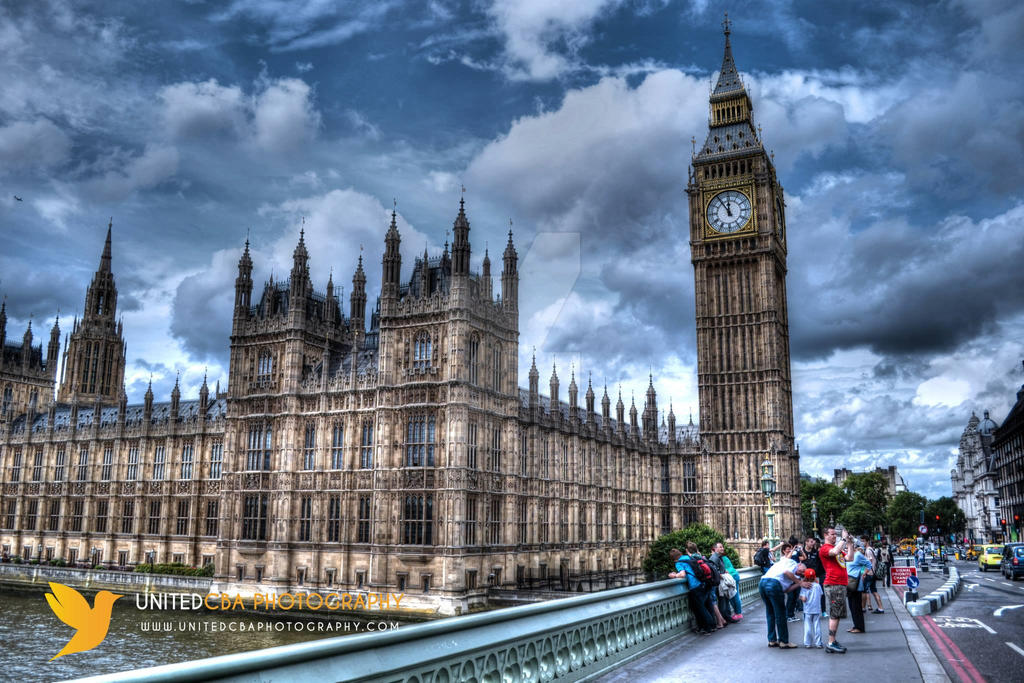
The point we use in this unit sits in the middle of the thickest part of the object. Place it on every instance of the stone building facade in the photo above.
(974, 480)
(1008, 452)
(394, 449)
(894, 482)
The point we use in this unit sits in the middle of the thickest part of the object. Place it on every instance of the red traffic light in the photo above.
(1016, 518)
(936, 518)
(1002, 521)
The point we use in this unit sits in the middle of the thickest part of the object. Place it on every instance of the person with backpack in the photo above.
(733, 603)
(696, 592)
(712, 580)
(776, 582)
(763, 557)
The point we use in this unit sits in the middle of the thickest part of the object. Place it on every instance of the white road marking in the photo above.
(961, 622)
(1004, 608)
(988, 579)
(1006, 584)
(1016, 649)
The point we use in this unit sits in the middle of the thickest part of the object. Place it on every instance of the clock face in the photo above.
(729, 211)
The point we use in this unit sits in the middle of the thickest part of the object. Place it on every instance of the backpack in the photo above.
(703, 571)
(761, 559)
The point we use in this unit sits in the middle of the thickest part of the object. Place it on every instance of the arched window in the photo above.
(421, 351)
(265, 367)
(8, 397)
(474, 359)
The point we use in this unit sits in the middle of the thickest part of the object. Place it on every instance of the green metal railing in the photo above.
(569, 639)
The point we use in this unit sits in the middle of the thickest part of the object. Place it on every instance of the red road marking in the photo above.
(954, 656)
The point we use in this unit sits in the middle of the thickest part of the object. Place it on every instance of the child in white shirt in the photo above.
(811, 599)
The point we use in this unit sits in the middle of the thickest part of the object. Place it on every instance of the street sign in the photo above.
(922, 529)
(913, 582)
(902, 576)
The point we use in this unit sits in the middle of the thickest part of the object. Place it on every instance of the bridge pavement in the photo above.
(893, 649)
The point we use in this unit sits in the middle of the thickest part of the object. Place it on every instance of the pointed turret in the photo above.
(204, 398)
(534, 383)
(392, 261)
(634, 426)
(105, 259)
(243, 283)
(510, 278)
(147, 406)
(460, 245)
(650, 420)
(573, 393)
(606, 407)
(358, 298)
(620, 414)
(425, 274)
(122, 406)
(52, 350)
(3, 326)
(486, 275)
(300, 285)
(671, 425)
(554, 391)
(175, 399)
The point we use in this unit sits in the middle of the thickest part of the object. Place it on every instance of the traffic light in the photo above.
(936, 518)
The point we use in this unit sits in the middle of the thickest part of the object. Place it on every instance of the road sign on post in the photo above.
(902, 576)
(923, 530)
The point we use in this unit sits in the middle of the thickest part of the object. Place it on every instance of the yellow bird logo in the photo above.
(91, 623)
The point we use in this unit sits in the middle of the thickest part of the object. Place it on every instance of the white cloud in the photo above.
(156, 164)
(533, 28)
(207, 108)
(284, 116)
(27, 144)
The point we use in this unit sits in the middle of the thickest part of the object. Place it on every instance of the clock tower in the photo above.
(738, 251)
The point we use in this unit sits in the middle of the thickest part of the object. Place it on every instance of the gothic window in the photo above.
(83, 463)
(16, 466)
(522, 519)
(471, 446)
(77, 512)
(421, 351)
(159, 462)
(212, 517)
(338, 446)
(132, 471)
(494, 455)
(474, 359)
(108, 462)
(102, 508)
(186, 461)
(563, 526)
(364, 520)
(181, 528)
(334, 519)
(582, 521)
(265, 367)
(366, 447)
(32, 515)
(254, 517)
(37, 466)
(261, 439)
(309, 446)
(419, 441)
(494, 522)
(154, 517)
(12, 509)
(128, 517)
(305, 517)
(523, 459)
(8, 398)
(496, 369)
(216, 460)
(689, 477)
(54, 514)
(418, 520)
(470, 525)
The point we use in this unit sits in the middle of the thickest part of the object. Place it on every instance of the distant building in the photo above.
(894, 480)
(1008, 450)
(974, 480)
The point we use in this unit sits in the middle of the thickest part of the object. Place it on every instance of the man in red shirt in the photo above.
(833, 555)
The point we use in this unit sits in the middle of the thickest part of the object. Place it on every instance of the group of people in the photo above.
(835, 579)
(713, 583)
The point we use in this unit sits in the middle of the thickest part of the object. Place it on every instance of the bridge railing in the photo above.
(569, 639)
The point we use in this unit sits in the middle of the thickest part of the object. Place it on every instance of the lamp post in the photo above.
(814, 515)
(768, 488)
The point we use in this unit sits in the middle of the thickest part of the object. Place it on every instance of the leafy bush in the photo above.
(657, 561)
(58, 562)
(174, 568)
(16, 559)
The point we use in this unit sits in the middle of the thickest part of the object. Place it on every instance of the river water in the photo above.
(30, 634)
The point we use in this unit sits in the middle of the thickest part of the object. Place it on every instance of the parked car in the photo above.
(989, 557)
(1012, 560)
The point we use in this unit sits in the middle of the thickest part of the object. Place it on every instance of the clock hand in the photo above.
(728, 210)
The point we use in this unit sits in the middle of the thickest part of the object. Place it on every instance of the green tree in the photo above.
(705, 537)
(831, 499)
(861, 518)
(869, 488)
(903, 514)
(951, 518)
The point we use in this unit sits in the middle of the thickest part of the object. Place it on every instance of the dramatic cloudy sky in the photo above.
(898, 132)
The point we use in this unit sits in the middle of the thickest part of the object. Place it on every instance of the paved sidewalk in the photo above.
(893, 649)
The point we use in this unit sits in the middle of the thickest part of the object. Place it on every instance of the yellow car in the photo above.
(989, 556)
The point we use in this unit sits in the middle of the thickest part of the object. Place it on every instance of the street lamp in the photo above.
(814, 515)
(768, 488)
